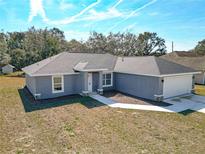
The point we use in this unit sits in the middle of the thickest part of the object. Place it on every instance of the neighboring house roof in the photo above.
(197, 63)
(184, 54)
(68, 63)
(8, 65)
(65, 63)
(149, 65)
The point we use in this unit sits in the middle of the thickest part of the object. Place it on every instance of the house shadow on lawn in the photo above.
(30, 104)
(186, 112)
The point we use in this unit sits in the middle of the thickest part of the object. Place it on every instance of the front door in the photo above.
(90, 82)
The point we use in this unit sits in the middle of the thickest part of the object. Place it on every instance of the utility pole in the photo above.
(172, 46)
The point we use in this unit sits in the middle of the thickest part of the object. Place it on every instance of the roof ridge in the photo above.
(86, 53)
(54, 58)
(155, 60)
(134, 56)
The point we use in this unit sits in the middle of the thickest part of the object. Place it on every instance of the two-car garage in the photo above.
(177, 85)
(152, 77)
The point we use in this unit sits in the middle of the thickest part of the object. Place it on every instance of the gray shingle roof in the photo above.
(149, 65)
(65, 63)
(197, 63)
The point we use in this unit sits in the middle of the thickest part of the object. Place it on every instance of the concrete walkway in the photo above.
(176, 107)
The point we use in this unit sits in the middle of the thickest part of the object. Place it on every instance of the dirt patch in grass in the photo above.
(125, 98)
(76, 128)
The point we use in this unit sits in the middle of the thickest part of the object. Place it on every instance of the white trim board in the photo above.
(166, 75)
(55, 74)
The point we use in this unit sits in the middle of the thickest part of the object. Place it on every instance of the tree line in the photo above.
(24, 48)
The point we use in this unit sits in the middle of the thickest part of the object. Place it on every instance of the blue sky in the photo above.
(181, 21)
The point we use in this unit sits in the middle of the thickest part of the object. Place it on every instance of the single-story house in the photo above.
(83, 73)
(7, 69)
(189, 59)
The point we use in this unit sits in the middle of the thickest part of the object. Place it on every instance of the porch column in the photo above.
(100, 84)
(100, 80)
(85, 81)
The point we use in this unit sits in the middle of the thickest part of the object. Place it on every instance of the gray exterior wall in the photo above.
(72, 85)
(31, 84)
(200, 78)
(140, 86)
(136, 85)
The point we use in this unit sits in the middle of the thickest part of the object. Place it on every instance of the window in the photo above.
(107, 79)
(57, 84)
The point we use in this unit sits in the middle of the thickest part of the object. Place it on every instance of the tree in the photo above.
(4, 56)
(15, 40)
(200, 48)
(18, 58)
(127, 44)
(42, 43)
(76, 46)
(53, 42)
(150, 44)
(97, 43)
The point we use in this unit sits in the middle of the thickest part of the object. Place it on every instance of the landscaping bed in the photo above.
(125, 98)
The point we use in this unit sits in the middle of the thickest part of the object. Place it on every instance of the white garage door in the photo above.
(177, 85)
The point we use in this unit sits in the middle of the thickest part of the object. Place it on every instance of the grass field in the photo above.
(200, 89)
(76, 126)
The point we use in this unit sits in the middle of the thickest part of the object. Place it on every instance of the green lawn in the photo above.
(82, 125)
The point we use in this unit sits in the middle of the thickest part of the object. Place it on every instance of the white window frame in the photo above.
(62, 84)
(110, 85)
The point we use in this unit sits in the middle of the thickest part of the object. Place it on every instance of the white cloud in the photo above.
(118, 3)
(74, 18)
(37, 9)
(104, 15)
(65, 5)
(133, 13)
(94, 15)
(91, 14)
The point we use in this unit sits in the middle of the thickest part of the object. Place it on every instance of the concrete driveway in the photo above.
(192, 102)
(179, 104)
